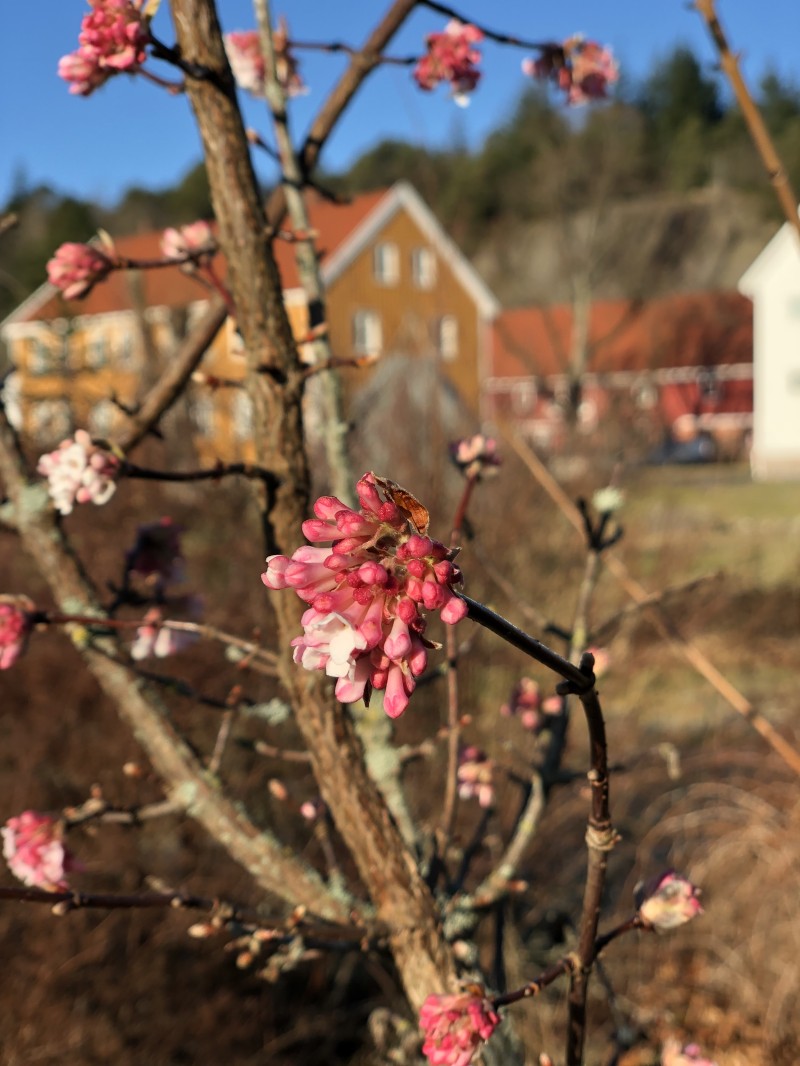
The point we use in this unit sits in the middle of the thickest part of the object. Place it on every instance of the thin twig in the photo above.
(221, 742)
(453, 718)
(330, 398)
(776, 171)
(492, 35)
(685, 647)
(600, 839)
(214, 473)
(97, 809)
(518, 638)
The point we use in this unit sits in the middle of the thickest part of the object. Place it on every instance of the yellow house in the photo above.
(395, 284)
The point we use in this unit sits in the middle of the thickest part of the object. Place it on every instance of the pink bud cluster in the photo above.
(451, 57)
(155, 639)
(476, 457)
(195, 240)
(673, 1054)
(247, 61)
(667, 901)
(367, 593)
(34, 850)
(525, 703)
(113, 38)
(475, 773)
(16, 613)
(79, 471)
(156, 555)
(582, 69)
(75, 268)
(456, 1026)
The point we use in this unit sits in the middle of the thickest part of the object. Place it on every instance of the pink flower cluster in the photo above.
(113, 38)
(451, 57)
(247, 61)
(34, 850)
(476, 457)
(456, 1026)
(79, 471)
(580, 68)
(667, 901)
(155, 639)
(195, 240)
(15, 625)
(673, 1054)
(525, 703)
(367, 593)
(475, 772)
(76, 268)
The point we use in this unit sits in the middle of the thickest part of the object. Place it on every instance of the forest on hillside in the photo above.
(669, 136)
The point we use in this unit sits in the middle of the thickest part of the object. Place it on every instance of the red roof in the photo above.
(698, 329)
(171, 287)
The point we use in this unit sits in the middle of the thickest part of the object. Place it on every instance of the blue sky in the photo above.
(130, 132)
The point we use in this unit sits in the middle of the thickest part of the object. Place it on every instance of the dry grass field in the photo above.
(694, 787)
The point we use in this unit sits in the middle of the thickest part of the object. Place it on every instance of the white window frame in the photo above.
(447, 338)
(101, 419)
(386, 263)
(367, 333)
(424, 268)
(203, 411)
(40, 358)
(242, 414)
(97, 350)
(44, 417)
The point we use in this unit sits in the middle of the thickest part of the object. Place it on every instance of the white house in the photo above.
(773, 284)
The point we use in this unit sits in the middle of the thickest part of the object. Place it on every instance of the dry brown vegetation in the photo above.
(694, 788)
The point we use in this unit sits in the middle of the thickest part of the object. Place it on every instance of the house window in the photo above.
(101, 418)
(126, 352)
(423, 268)
(40, 358)
(242, 415)
(49, 420)
(386, 264)
(203, 415)
(97, 351)
(446, 335)
(367, 333)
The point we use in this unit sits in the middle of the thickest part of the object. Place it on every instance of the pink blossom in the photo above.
(34, 850)
(313, 809)
(451, 57)
(475, 770)
(580, 68)
(476, 457)
(673, 1054)
(76, 268)
(667, 901)
(16, 614)
(368, 593)
(247, 61)
(552, 705)
(113, 38)
(79, 471)
(196, 240)
(155, 639)
(156, 554)
(525, 703)
(456, 1026)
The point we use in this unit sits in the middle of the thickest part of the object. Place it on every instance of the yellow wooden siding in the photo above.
(88, 369)
(408, 314)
